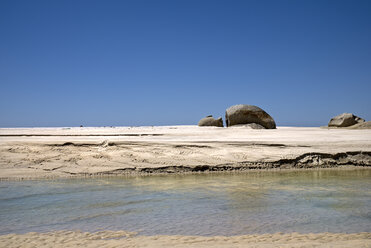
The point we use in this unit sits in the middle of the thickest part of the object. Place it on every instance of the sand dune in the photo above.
(63, 152)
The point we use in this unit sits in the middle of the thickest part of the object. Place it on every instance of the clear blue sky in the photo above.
(102, 63)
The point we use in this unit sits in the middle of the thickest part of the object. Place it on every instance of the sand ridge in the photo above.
(62, 152)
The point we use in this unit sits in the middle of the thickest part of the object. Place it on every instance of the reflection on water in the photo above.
(202, 204)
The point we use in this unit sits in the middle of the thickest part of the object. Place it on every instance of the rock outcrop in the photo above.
(246, 114)
(210, 121)
(345, 120)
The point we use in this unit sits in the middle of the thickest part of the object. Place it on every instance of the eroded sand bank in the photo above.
(62, 152)
(126, 239)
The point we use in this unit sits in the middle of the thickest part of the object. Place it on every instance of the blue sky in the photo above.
(127, 63)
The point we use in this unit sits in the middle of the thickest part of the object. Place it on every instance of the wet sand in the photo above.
(127, 239)
(27, 153)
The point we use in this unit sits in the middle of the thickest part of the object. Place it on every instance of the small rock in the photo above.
(359, 119)
(210, 121)
(361, 125)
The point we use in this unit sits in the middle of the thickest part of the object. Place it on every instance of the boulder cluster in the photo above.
(251, 116)
(242, 115)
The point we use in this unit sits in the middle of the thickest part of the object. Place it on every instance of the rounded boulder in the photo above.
(246, 114)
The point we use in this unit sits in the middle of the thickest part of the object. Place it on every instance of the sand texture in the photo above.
(126, 239)
(62, 152)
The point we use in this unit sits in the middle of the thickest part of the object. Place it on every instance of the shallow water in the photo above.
(202, 204)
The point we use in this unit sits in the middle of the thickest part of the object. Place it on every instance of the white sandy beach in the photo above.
(62, 152)
(27, 153)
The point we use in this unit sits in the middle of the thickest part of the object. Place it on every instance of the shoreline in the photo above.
(184, 173)
(130, 239)
(37, 153)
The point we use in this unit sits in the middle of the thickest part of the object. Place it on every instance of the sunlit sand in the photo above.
(64, 152)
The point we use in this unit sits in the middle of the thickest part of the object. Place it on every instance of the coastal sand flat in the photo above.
(61, 152)
(124, 239)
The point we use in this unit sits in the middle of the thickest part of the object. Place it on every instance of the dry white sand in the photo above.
(126, 239)
(60, 152)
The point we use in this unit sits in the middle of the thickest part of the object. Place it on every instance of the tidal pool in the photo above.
(199, 204)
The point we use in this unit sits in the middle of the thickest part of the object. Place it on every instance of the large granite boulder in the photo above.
(246, 114)
(210, 121)
(345, 120)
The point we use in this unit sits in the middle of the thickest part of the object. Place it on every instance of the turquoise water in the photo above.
(202, 204)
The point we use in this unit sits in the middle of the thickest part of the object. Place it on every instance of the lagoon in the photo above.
(256, 202)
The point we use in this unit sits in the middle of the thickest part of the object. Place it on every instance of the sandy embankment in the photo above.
(125, 239)
(63, 152)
